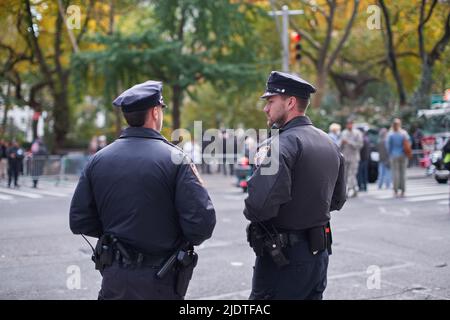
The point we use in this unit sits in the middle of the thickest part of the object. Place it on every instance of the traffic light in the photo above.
(297, 47)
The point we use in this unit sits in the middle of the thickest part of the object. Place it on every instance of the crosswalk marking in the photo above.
(49, 193)
(21, 193)
(428, 198)
(5, 197)
(44, 191)
(413, 194)
(416, 191)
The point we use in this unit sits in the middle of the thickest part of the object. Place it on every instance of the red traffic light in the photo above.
(295, 36)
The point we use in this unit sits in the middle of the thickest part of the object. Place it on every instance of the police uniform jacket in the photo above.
(308, 184)
(137, 190)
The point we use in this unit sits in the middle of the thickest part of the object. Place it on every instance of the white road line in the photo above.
(20, 193)
(445, 202)
(5, 197)
(49, 193)
(360, 273)
(428, 198)
(414, 194)
(246, 293)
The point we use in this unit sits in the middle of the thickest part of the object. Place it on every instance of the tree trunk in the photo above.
(61, 115)
(5, 111)
(420, 98)
(176, 103)
(320, 87)
(391, 55)
(34, 125)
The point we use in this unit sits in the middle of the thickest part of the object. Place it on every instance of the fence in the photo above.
(53, 168)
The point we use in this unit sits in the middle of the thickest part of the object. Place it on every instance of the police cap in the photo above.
(287, 84)
(141, 97)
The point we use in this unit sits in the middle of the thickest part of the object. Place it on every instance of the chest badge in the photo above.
(261, 155)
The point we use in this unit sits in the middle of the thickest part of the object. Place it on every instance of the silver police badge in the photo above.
(261, 155)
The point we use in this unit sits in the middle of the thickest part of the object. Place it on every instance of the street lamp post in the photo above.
(285, 13)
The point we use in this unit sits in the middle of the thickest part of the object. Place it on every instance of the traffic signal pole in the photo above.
(285, 13)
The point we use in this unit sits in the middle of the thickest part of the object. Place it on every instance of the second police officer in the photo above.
(289, 208)
(144, 204)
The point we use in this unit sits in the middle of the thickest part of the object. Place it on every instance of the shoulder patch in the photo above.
(195, 171)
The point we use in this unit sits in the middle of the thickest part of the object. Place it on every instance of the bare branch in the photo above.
(35, 43)
(391, 58)
(315, 7)
(422, 22)
(430, 12)
(326, 44)
(344, 37)
(86, 21)
(439, 47)
(310, 39)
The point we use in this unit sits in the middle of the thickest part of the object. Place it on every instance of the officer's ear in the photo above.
(154, 112)
(292, 102)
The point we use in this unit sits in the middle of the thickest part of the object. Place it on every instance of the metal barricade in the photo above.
(53, 168)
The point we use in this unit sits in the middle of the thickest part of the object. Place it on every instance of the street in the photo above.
(384, 248)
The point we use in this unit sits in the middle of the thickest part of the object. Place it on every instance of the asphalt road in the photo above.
(384, 248)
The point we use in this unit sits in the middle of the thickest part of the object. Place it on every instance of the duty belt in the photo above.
(292, 237)
(138, 259)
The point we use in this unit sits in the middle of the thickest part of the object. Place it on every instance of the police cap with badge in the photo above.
(287, 84)
(141, 97)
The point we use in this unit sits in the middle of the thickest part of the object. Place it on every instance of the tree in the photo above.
(391, 56)
(323, 49)
(428, 59)
(40, 27)
(181, 43)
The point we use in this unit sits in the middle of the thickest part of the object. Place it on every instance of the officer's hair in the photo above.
(302, 104)
(136, 118)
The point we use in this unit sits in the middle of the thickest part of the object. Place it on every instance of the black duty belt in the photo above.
(139, 259)
(290, 238)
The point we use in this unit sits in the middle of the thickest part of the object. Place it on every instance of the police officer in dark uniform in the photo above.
(144, 200)
(289, 208)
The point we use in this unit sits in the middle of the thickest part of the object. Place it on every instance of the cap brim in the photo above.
(268, 94)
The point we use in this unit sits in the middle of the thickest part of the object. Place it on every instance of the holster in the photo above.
(319, 238)
(186, 262)
(255, 238)
(103, 254)
(263, 242)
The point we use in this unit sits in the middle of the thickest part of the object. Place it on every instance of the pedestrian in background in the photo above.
(334, 132)
(15, 157)
(364, 157)
(396, 141)
(384, 166)
(351, 144)
(38, 160)
(3, 159)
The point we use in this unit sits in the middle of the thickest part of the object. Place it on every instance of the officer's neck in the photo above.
(151, 124)
(292, 116)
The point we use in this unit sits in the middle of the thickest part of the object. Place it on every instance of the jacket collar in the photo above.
(295, 122)
(140, 132)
